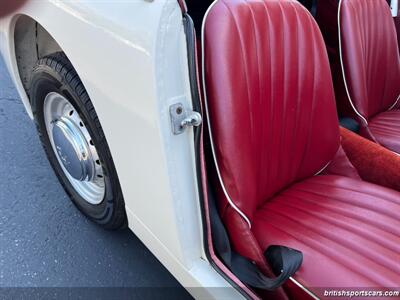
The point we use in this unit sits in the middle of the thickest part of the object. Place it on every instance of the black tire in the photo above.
(55, 73)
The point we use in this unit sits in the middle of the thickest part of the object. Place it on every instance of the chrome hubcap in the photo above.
(74, 148)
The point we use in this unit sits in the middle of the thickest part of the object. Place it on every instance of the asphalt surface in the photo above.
(45, 241)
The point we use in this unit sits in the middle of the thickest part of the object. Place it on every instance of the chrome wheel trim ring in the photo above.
(62, 120)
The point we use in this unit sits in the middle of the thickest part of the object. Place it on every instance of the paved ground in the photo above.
(44, 240)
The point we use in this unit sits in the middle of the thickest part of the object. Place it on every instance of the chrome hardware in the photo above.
(74, 148)
(182, 118)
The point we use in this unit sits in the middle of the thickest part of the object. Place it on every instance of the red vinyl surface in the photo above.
(274, 126)
(370, 55)
(270, 96)
(341, 165)
(348, 231)
(385, 128)
(371, 65)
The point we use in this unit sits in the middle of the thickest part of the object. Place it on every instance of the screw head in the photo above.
(179, 110)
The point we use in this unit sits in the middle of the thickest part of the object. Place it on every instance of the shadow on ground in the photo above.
(44, 240)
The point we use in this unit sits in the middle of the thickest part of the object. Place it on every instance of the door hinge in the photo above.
(182, 118)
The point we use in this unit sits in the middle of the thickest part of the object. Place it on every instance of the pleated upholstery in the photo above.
(371, 64)
(348, 231)
(274, 126)
(385, 127)
(270, 97)
(370, 55)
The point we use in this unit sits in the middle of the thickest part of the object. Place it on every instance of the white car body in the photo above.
(131, 56)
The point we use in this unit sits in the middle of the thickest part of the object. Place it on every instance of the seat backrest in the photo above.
(269, 97)
(368, 61)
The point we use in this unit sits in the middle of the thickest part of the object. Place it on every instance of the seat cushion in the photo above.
(348, 231)
(385, 127)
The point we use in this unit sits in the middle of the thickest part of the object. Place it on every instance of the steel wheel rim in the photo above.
(80, 163)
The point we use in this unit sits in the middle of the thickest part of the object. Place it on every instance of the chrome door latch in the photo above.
(182, 118)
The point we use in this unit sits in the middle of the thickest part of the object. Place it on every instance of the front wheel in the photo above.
(74, 141)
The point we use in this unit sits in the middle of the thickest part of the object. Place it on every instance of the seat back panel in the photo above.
(370, 55)
(270, 97)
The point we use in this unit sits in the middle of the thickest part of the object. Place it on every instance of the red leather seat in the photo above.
(362, 42)
(385, 127)
(348, 231)
(273, 126)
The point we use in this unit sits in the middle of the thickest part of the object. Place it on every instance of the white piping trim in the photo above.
(304, 288)
(209, 121)
(393, 106)
(398, 154)
(342, 65)
(213, 148)
(324, 167)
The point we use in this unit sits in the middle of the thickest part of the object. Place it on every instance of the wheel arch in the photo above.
(31, 42)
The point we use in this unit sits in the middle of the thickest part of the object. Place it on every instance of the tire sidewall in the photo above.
(44, 81)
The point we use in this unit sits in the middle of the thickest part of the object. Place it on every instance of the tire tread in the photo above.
(59, 63)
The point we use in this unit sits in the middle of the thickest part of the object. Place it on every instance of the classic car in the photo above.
(252, 145)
